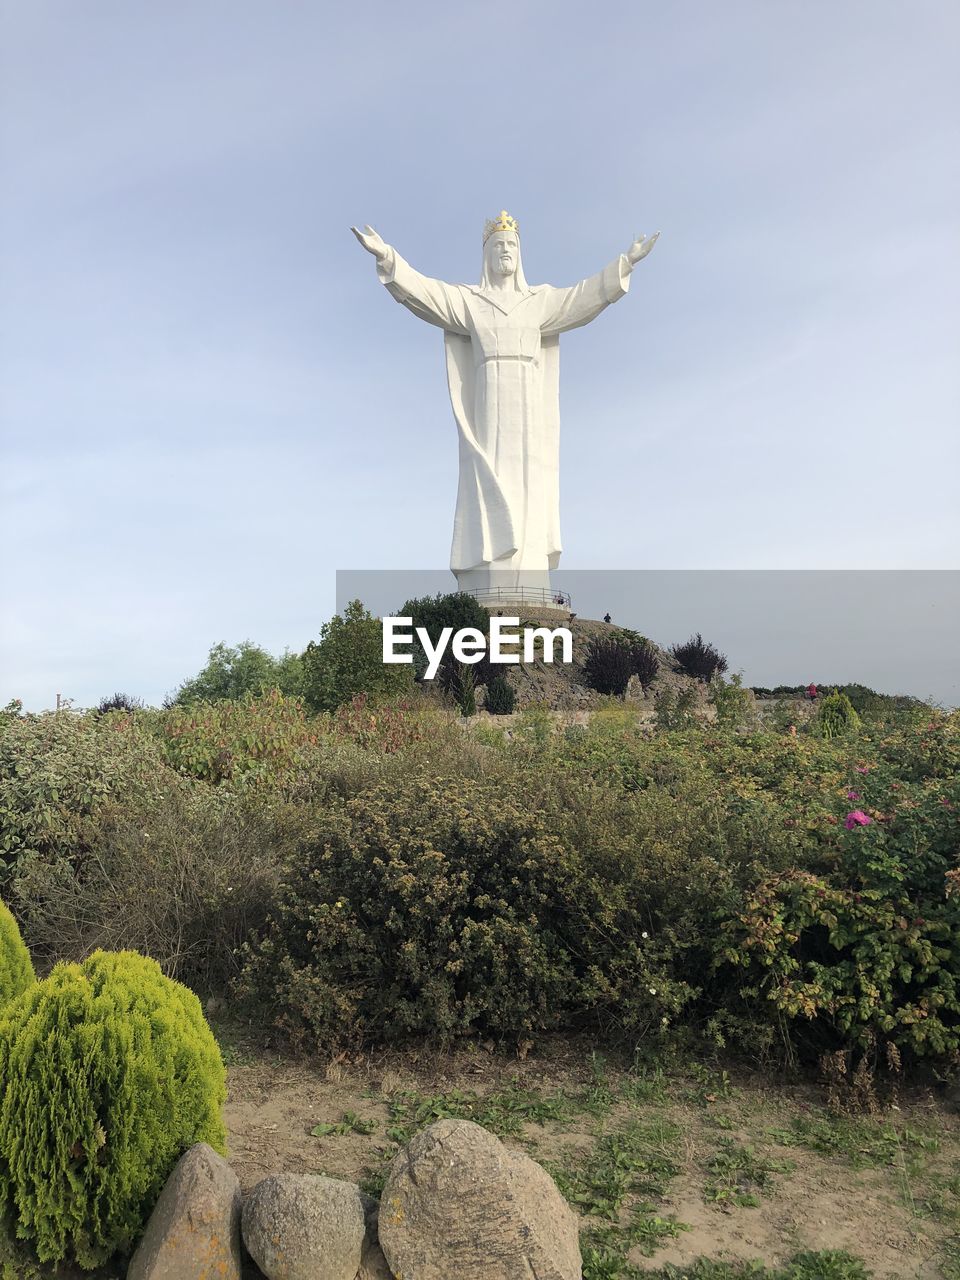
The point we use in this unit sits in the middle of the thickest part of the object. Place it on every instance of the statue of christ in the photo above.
(502, 345)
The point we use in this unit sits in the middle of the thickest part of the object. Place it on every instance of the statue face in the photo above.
(503, 248)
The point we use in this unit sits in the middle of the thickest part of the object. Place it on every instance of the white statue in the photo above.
(502, 341)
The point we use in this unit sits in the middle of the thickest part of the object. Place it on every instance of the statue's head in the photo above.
(501, 251)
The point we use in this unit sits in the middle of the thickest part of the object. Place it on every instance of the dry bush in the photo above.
(183, 879)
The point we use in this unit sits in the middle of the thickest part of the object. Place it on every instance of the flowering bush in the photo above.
(870, 947)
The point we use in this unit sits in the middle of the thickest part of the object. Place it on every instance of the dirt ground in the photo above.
(886, 1188)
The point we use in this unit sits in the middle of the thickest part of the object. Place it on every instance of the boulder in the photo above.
(194, 1230)
(303, 1226)
(457, 1202)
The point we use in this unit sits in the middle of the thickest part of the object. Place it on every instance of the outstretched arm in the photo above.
(578, 305)
(432, 300)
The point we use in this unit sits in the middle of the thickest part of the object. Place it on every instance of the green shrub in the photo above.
(501, 699)
(348, 660)
(254, 739)
(835, 716)
(464, 689)
(865, 950)
(608, 665)
(437, 907)
(699, 659)
(108, 1073)
(16, 967)
(183, 878)
(56, 770)
(734, 705)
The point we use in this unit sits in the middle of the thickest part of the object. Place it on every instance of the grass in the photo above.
(351, 1123)
(829, 1264)
(738, 1175)
(504, 1113)
(861, 1143)
(636, 1160)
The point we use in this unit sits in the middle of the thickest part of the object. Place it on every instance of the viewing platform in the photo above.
(538, 599)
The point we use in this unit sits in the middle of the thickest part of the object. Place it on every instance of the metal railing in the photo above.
(522, 595)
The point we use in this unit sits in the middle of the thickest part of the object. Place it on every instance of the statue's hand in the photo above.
(641, 247)
(371, 242)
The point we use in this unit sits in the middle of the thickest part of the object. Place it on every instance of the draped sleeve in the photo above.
(577, 305)
(432, 300)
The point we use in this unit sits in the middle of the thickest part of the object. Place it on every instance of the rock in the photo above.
(302, 1226)
(458, 1203)
(194, 1230)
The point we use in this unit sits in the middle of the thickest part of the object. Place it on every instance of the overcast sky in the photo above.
(209, 405)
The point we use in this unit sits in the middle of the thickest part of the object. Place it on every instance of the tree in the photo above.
(348, 659)
(456, 609)
(247, 668)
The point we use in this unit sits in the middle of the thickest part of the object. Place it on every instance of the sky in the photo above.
(208, 404)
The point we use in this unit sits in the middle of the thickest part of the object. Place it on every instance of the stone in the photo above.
(194, 1230)
(303, 1226)
(457, 1202)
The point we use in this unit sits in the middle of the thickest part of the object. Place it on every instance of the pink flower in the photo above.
(862, 768)
(857, 818)
(853, 795)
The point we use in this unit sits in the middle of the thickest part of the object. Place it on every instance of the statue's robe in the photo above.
(503, 369)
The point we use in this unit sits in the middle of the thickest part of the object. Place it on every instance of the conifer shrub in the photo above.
(108, 1073)
(836, 716)
(464, 689)
(16, 967)
(501, 699)
(699, 659)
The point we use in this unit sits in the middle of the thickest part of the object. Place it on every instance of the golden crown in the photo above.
(502, 222)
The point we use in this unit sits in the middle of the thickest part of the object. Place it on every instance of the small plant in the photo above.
(638, 1160)
(350, 1123)
(646, 664)
(501, 698)
(119, 702)
(734, 704)
(608, 665)
(16, 967)
(836, 716)
(738, 1175)
(108, 1073)
(464, 689)
(504, 1113)
(699, 659)
(676, 709)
